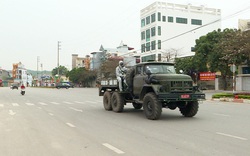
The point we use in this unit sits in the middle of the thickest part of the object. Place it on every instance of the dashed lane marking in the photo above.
(55, 103)
(78, 110)
(67, 102)
(113, 148)
(51, 114)
(78, 102)
(1, 105)
(41, 103)
(91, 102)
(231, 136)
(15, 104)
(221, 114)
(29, 104)
(70, 125)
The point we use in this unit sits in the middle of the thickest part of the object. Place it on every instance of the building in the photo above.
(78, 62)
(20, 74)
(243, 73)
(4, 76)
(119, 52)
(170, 30)
(244, 24)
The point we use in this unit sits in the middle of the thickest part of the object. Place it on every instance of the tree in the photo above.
(62, 71)
(82, 76)
(108, 67)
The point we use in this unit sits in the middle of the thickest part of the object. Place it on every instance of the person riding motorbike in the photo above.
(120, 74)
(22, 89)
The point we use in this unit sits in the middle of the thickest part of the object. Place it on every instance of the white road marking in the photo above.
(78, 110)
(41, 103)
(99, 101)
(70, 125)
(55, 103)
(1, 105)
(78, 102)
(67, 102)
(15, 104)
(30, 104)
(91, 102)
(113, 148)
(11, 112)
(221, 114)
(232, 136)
(51, 114)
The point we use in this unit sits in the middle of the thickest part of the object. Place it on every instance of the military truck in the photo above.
(153, 86)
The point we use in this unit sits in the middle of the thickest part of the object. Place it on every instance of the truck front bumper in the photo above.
(171, 97)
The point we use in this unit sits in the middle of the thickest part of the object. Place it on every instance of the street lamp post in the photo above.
(58, 49)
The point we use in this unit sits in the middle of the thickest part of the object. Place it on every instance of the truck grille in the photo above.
(181, 86)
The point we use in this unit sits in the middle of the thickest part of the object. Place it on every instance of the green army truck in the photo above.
(153, 86)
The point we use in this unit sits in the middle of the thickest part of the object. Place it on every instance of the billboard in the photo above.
(207, 76)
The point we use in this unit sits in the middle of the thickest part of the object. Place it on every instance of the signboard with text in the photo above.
(207, 76)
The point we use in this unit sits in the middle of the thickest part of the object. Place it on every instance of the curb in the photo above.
(231, 100)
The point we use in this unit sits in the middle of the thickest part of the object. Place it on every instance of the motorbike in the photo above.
(23, 91)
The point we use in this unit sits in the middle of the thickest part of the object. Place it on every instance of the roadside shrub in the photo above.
(222, 95)
(242, 95)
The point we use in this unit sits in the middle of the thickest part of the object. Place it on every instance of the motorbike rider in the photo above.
(22, 87)
(120, 74)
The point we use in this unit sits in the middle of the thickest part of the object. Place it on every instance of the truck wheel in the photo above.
(191, 109)
(152, 108)
(107, 101)
(137, 105)
(117, 102)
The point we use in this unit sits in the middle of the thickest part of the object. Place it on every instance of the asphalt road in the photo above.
(73, 122)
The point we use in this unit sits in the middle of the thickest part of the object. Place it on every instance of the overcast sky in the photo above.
(32, 28)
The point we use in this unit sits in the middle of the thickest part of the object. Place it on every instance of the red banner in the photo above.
(207, 76)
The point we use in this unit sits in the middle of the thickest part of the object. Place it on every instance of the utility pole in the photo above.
(58, 49)
(37, 61)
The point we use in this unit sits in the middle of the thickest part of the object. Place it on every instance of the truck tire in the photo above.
(191, 109)
(152, 108)
(107, 101)
(129, 78)
(117, 102)
(137, 105)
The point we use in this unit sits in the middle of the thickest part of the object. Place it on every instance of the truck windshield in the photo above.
(161, 69)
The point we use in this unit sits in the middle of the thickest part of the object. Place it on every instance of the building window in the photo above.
(181, 20)
(159, 16)
(143, 35)
(153, 18)
(159, 30)
(148, 58)
(153, 31)
(148, 46)
(196, 22)
(159, 57)
(148, 35)
(245, 70)
(153, 45)
(143, 48)
(159, 44)
(164, 18)
(143, 22)
(147, 20)
(170, 19)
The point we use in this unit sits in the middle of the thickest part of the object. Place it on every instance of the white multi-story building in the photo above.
(169, 29)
